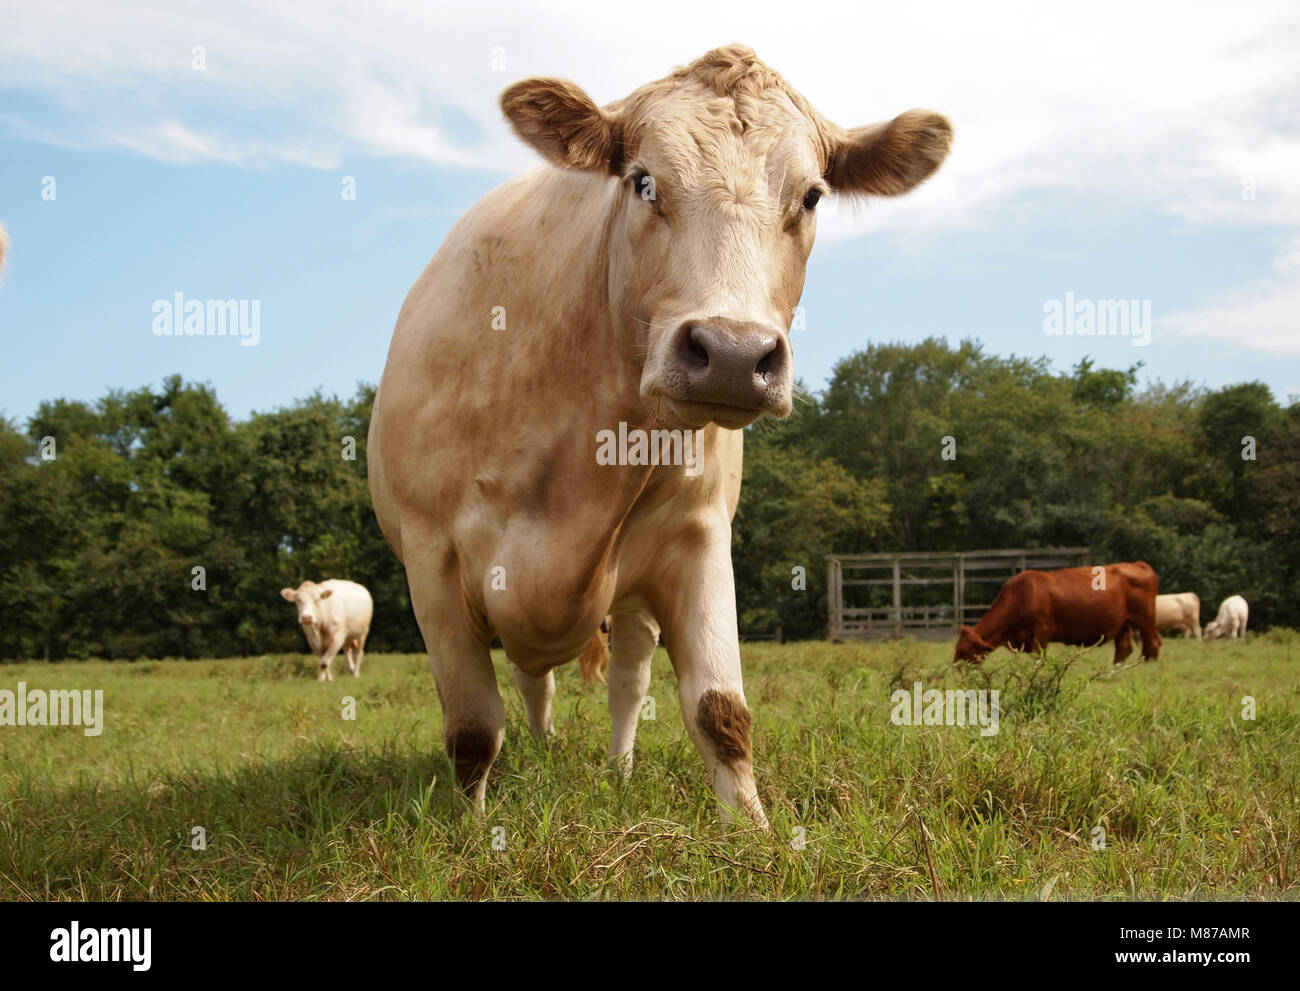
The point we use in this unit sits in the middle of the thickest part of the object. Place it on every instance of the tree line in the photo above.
(151, 524)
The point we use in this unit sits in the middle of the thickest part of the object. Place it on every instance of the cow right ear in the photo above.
(890, 158)
(559, 120)
(288, 593)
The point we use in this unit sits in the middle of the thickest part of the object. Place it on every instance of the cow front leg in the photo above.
(1150, 641)
(349, 652)
(327, 659)
(699, 627)
(634, 637)
(473, 715)
(537, 694)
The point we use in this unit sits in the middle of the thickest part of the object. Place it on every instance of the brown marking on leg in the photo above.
(472, 751)
(724, 721)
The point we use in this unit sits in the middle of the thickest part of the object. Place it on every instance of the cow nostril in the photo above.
(694, 349)
(767, 364)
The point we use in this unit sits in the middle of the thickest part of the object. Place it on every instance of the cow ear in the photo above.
(558, 119)
(890, 158)
(326, 593)
(288, 593)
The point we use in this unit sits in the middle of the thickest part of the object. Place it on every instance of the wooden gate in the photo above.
(928, 595)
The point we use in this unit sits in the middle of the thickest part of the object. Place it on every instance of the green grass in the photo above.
(299, 804)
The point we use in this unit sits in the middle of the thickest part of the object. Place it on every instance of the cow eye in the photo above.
(643, 183)
(810, 200)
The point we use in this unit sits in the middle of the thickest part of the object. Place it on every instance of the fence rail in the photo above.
(861, 577)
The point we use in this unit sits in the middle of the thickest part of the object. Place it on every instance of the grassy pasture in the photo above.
(298, 803)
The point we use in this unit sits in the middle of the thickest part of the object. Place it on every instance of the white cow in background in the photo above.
(1231, 620)
(334, 615)
(1179, 611)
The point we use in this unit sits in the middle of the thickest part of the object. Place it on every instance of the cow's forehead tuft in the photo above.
(727, 91)
(732, 71)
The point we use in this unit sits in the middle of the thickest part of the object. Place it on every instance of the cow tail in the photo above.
(594, 660)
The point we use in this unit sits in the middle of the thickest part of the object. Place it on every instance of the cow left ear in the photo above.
(890, 158)
(558, 119)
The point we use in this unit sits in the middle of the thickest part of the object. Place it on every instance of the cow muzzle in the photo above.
(728, 372)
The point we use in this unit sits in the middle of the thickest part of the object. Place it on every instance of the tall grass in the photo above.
(298, 803)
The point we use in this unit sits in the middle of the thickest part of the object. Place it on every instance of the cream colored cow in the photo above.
(1179, 611)
(640, 285)
(1231, 620)
(334, 615)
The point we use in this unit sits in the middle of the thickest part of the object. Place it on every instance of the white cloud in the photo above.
(1180, 106)
(1288, 259)
(1263, 315)
(172, 141)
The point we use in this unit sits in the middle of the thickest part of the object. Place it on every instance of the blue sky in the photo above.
(1099, 151)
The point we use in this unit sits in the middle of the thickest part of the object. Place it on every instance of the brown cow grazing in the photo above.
(1077, 606)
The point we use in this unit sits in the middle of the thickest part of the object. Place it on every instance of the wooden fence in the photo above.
(926, 595)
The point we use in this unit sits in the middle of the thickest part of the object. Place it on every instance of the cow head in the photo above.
(718, 170)
(307, 597)
(971, 647)
(1213, 630)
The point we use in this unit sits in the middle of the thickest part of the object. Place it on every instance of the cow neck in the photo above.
(606, 326)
